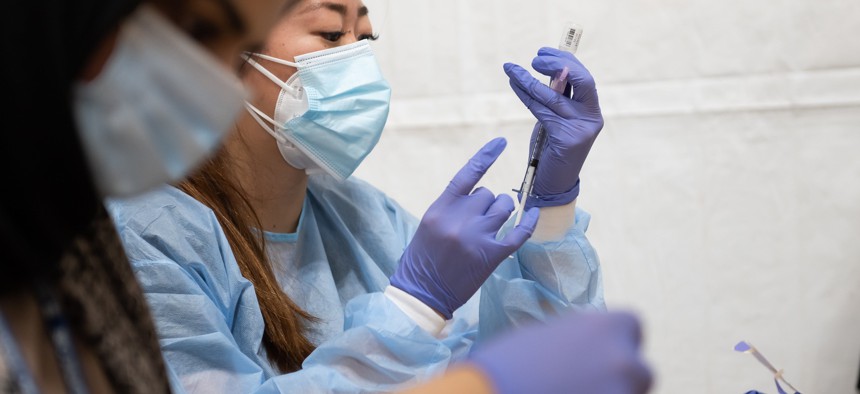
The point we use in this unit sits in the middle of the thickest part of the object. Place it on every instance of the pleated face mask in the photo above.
(330, 114)
(159, 108)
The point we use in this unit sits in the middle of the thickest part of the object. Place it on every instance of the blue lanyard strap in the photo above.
(15, 360)
(61, 336)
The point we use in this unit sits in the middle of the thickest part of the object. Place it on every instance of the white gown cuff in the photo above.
(554, 222)
(423, 315)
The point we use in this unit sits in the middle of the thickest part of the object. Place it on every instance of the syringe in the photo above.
(569, 42)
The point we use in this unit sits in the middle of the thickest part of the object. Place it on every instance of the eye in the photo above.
(333, 36)
(369, 37)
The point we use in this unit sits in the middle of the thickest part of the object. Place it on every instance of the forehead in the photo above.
(259, 16)
(226, 28)
(244, 19)
(343, 7)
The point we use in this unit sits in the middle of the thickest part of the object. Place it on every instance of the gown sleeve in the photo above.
(210, 326)
(542, 279)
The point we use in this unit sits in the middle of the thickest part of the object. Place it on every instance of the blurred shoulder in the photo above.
(165, 205)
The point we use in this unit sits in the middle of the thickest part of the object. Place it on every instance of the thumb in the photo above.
(515, 238)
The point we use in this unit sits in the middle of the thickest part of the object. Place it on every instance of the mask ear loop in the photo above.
(266, 121)
(262, 118)
(276, 60)
(267, 73)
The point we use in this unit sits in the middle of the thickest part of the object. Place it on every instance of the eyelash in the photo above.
(335, 36)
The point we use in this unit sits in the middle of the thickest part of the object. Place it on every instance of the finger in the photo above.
(468, 176)
(628, 326)
(640, 377)
(565, 58)
(578, 76)
(522, 232)
(535, 95)
(484, 196)
(562, 108)
(625, 329)
(550, 51)
(499, 212)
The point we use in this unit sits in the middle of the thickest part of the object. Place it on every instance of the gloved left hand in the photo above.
(580, 352)
(571, 124)
(455, 248)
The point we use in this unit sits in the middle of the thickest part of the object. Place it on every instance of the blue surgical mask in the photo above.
(330, 114)
(160, 106)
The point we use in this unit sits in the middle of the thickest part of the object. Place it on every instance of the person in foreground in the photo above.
(114, 86)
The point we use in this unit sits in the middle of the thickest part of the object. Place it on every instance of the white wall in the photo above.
(724, 188)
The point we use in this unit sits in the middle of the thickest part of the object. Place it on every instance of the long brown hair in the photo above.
(285, 323)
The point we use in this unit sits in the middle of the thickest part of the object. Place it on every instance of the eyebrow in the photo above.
(339, 8)
(232, 15)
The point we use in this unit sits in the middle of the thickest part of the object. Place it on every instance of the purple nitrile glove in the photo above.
(571, 125)
(455, 248)
(583, 352)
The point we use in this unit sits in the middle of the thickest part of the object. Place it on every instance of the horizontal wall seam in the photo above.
(821, 89)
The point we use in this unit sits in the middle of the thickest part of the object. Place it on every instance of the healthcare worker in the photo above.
(271, 269)
(98, 92)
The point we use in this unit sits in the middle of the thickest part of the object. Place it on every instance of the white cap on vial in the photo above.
(570, 37)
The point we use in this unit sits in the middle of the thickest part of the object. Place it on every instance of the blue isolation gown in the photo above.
(349, 241)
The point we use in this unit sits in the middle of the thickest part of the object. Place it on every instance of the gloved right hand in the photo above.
(571, 124)
(584, 352)
(455, 248)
